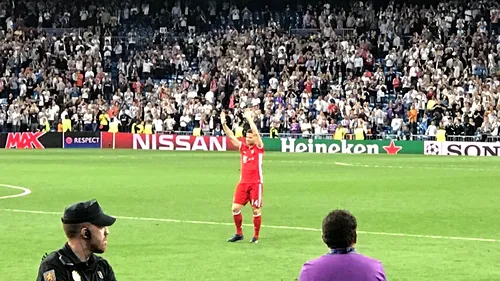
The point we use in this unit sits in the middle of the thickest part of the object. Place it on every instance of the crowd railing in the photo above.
(368, 136)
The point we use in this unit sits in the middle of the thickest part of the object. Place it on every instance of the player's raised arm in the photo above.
(258, 140)
(228, 131)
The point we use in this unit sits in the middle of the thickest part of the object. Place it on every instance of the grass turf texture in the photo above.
(446, 196)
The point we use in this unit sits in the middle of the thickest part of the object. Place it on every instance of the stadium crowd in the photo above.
(397, 70)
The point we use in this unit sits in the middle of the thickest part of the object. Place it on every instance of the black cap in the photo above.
(88, 211)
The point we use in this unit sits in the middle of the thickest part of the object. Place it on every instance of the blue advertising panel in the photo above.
(82, 140)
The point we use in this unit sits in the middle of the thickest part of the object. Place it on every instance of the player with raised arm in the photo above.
(250, 187)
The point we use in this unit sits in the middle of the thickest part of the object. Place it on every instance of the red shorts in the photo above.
(249, 192)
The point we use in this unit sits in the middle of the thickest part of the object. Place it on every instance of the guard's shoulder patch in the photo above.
(49, 275)
(45, 256)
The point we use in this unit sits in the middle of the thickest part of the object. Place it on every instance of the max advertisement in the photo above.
(29, 140)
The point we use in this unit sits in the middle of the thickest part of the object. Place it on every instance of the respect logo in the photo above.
(82, 142)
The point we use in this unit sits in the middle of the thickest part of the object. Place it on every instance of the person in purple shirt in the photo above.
(342, 262)
(332, 127)
(294, 127)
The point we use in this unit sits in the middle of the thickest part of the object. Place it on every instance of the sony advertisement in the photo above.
(462, 148)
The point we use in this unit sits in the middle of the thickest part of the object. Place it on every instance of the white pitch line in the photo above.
(25, 190)
(343, 164)
(448, 167)
(272, 226)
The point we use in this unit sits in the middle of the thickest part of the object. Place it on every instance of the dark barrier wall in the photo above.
(41, 140)
(97, 140)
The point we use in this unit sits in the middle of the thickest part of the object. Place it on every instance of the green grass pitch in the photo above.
(414, 212)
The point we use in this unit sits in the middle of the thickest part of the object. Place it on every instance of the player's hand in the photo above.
(223, 117)
(248, 114)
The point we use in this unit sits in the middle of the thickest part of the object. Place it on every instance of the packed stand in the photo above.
(396, 71)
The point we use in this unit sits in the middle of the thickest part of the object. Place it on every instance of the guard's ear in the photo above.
(84, 233)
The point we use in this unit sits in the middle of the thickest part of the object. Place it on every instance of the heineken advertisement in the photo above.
(327, 146)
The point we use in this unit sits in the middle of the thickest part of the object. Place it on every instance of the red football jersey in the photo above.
(251, 164)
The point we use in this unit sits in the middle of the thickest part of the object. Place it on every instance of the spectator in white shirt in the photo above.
(87, 121)
(396, 124)
(358, 64)
(157, 124)
(306, 128)
(146, 68)
(274, 83)
(169, 123)
(184, 121)
(431, 130)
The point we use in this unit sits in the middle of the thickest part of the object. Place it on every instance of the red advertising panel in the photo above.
(166, 142)
(118, 140)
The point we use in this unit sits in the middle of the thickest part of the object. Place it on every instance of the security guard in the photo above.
(148, 128)
(45, 125)
(113, 125)
(273, 132)
(238, 131)
(86, 227)
(134, 128)
(140, 127)
(197, 131)
(359, 133)
(339, 133)
(441, 134)
(66, 122)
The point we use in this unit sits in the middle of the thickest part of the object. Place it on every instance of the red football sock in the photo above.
(257, 220)
(238, 221)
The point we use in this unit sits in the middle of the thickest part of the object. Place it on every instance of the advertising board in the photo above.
(166, 142)
(462, 148)
(82, 140)
(29, 140)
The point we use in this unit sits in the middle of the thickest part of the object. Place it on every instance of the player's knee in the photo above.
(256, 211)
(236, 209)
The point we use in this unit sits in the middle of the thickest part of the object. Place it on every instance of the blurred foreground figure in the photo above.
(342, 262)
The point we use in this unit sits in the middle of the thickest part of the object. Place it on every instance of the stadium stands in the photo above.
(399, 71)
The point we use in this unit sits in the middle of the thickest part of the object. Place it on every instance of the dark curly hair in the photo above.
(339, 229)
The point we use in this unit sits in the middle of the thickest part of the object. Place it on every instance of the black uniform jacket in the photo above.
(64, 265)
